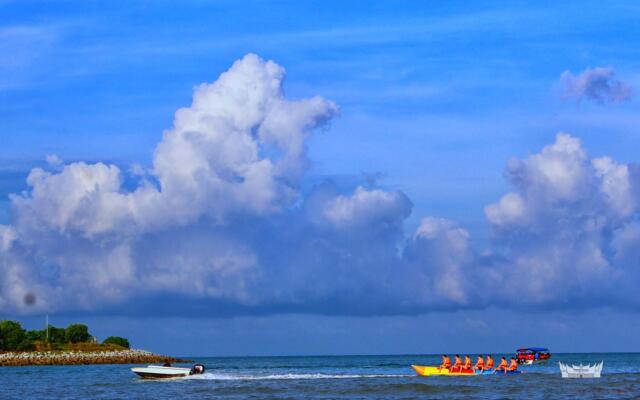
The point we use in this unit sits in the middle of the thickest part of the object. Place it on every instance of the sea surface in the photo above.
(326, 377)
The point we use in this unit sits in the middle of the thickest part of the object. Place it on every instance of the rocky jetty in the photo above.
(124, 356)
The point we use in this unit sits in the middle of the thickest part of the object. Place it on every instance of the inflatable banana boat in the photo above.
(427, 370)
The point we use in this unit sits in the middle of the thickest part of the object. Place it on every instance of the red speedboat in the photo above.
(530, 355)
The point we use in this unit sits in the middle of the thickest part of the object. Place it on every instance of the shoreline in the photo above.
(134, 356)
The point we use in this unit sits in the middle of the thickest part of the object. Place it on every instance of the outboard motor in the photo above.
(197, 369)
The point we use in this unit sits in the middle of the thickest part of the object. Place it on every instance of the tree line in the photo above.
(14, 338)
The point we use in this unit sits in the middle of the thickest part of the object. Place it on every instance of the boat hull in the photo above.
(151, 375)
(428, 370)
(157, 372)
(516, 372)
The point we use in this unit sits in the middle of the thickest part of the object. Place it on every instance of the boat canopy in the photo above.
(533, 349)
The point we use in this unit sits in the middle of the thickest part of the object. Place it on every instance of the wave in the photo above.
(232, 377)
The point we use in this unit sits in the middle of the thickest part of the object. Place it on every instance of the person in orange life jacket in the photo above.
(489, 365)
(457, 366)
(502, 365)
(467, 362)
(513, 365)
(446, 362)
(479, 364)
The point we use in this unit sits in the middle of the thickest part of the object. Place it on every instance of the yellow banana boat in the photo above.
(426, 370)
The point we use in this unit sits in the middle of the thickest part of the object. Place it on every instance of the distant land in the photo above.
(67, 346)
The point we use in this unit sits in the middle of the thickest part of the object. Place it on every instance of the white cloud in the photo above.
(615, 185)
(557, 227)
(366, 208)
(211, 162)
(555, 174)
(53, 160)
(510, 210)
(237, 150)
(439, 258)
(82, 197)
(218, 225)
(7, 236)
(596, 84)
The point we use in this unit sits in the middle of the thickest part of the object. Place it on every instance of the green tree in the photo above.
(36, 335)
(12, 336)
(120, 341)
(77, 333)
(57, 335)
(25, 345)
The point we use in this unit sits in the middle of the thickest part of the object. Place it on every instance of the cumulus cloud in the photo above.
(237, 148)
(559, 227)
(218, 226)
(237, 151)
(366, 208)
(240, 146)
(439, 264)
(595, 84)
(53, 160)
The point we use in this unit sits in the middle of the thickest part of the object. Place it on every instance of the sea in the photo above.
(325, 377)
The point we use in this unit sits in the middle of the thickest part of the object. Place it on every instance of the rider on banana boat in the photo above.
(513, 365)
(457, 365)
(446, 362)
(503, 365)
(467, 362)
(489, 365)
(479, 364)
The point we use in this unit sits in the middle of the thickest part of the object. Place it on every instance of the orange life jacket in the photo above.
(446, 362)
(467, 362)
(513, 366)
(480, 363)
(489, 362)
(503, 364)
(458, 362)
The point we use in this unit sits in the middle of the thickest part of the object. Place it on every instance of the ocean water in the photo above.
(327, 377)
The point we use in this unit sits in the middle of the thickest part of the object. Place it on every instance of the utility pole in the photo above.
(47, 326)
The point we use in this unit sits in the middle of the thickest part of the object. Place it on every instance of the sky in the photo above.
(260, 178)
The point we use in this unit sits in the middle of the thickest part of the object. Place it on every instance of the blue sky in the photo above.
(434, 100)
(471, 85)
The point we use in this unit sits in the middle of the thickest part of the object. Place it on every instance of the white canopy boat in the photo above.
(581, 371)
(160, 372)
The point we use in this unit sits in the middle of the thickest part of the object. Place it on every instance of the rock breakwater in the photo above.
(83, 357)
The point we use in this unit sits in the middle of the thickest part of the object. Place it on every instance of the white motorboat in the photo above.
(581, 371)
(163, 372)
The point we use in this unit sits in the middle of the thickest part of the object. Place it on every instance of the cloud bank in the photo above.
(218, 226)
(595, 84)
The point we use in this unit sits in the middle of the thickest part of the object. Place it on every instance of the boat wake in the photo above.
(230, 377)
